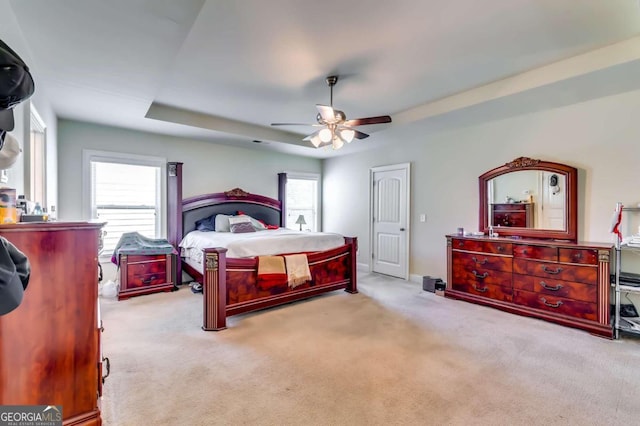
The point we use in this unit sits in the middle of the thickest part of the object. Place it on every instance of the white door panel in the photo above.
(390, 189)
(553, 201)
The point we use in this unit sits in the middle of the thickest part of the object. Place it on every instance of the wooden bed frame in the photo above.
(229, 284)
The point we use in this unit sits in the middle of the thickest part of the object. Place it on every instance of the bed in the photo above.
(231, 285)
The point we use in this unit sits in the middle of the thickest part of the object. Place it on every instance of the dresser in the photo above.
(562, 282)
(512, 214)
(50, 351)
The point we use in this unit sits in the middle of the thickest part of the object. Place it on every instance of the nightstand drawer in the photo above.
(149, 272)
(144, 274)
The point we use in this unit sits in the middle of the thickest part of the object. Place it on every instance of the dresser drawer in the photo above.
(473, 261)
(482, 276)
(583, 256)
(556, 288)
(559, 271)
(495, 247)
(512, 219)
(489, 291)
(555, 304)
(535, 252)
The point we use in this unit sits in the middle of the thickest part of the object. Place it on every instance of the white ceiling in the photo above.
(224, 70)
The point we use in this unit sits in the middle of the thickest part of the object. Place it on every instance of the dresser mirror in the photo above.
(530, 198)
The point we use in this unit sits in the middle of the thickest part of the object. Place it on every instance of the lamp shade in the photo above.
(315, 140)
(347, 134)
(300, 221)
(325, 135)
(337, 143)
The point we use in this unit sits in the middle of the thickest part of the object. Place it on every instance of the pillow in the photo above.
(257, 224)
(222, 223)
(207, 224)
(241, 224)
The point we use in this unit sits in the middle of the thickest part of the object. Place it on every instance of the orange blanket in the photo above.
(271, 272)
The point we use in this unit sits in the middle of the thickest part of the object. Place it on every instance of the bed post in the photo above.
(282, 197)
(352, 287)
(214, 285)
(174, 211)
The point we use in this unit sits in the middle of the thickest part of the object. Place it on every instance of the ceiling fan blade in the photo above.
(368, 120)
(327, 113)
(360, 135)
(294, 124)
(308, 137)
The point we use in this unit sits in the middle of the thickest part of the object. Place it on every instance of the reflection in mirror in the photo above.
(528, 199)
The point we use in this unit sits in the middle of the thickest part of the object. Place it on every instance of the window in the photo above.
(302, 198)
(37, 160)
(126, 193)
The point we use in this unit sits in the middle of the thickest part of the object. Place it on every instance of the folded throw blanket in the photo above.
(297, 269)
(271, 272)
(135, 243)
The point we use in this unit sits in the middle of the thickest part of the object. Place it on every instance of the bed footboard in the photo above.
(229, 285)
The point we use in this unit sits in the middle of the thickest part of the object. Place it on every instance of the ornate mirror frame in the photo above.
(570, 233)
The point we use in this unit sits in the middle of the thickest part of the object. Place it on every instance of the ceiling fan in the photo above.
(336, 129)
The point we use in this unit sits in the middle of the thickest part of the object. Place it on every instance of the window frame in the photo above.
(36, 125)
(317, 177)
(88, 196)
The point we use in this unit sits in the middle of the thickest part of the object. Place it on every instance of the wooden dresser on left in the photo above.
(50, 351)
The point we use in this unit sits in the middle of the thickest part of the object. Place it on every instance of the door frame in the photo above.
(372, 171)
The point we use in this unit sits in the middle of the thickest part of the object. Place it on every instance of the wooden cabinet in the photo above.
(561, 282)
(518, 215)
(144, 274)
(50, 344)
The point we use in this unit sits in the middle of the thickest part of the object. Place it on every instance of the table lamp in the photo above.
(301, 221)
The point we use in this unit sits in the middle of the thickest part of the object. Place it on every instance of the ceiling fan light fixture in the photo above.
(347, 134)
(337, 143)
(325, 135)
(315, 140)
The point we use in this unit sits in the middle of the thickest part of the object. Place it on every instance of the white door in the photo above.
(390, 220)
(553, 201)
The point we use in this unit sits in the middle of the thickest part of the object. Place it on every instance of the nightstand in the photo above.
(145, 274)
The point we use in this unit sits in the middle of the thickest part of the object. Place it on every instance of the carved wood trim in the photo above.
(521, 162)
(236, 192)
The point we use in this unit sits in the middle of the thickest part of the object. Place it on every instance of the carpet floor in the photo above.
(390, 355)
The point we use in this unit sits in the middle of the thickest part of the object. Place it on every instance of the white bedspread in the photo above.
(260, 243)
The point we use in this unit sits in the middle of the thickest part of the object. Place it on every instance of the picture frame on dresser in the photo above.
(537, 269)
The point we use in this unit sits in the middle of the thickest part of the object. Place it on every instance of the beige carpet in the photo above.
(391, 355)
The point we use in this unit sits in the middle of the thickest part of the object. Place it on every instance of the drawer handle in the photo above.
(481, 290)
(148, 280)
(107, 367)
(577, 256)
(483, 276)
(548, 287)
(551, 305)
(460, 243)
(500, 248)
(480, 262)
(551, 271)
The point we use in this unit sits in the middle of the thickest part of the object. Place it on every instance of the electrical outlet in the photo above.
(423, 217)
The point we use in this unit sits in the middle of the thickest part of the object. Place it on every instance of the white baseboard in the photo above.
(362, 267)
(415, 278)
